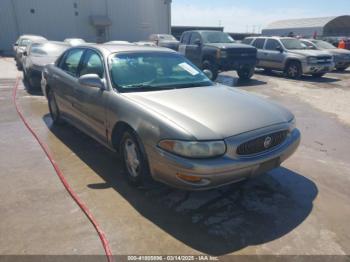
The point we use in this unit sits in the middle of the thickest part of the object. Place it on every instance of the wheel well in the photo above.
(291, 60)
(118, 130)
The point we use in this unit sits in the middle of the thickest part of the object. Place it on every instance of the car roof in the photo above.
(203, 31)
(32, 37)
(110, 48)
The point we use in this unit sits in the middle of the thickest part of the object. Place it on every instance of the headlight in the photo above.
(194, 149)
(221, 53)
(312, 60)
(293, 124)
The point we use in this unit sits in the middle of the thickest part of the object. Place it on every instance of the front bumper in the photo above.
(219, 171)
(228, 64)
(317, 68)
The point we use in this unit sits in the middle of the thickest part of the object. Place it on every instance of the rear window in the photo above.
(259, 43)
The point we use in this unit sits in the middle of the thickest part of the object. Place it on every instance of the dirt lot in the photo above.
(300, 208)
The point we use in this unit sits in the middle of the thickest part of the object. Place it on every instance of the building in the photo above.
(92, 20)
(309, 27)
(178, 30)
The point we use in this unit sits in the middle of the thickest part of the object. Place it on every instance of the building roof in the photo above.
(301, 23)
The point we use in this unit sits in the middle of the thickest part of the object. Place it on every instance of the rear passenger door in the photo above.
(90, 102)
(259, 44)
(273, 57)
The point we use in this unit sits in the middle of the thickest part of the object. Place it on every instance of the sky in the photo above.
(251, 15)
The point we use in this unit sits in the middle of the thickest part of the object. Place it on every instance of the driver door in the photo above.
(90, 102)
(194, 49)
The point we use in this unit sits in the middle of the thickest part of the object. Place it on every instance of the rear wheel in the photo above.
(207, 65)
(293, 70)
(246, 73)
(134, 159)
(53, 107)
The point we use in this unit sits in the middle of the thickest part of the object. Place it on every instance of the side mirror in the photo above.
(15, 44)
(198, 42)
(208, 73)
(92, 80)
(280, 49)
(25, 53)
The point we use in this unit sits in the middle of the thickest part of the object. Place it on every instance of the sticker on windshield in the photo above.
(189, 69)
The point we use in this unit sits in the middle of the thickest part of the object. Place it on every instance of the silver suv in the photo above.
(291, 56)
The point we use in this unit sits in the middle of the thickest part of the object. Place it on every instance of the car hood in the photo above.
(308, 52)
(215, 112)
(339, 51)
(230, 46)
(43, 60)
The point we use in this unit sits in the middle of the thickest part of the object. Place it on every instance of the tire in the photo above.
(293, 70)
(53, 107)
(246, 73)
(318, 75)
(27, 80)
(207, 65)
(134, 159)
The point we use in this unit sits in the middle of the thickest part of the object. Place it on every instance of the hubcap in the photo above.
(131, 158)
(293, 71)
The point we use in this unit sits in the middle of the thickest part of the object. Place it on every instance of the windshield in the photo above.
(323, 44)
(48, 49)
(217, 37)
(167, 37)
(152, 71)
(292, 44)
(25, 42)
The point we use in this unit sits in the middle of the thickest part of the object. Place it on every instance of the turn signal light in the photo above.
(192, 179)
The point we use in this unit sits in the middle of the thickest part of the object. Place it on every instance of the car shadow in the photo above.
(33, 91)
(215, 222)
(305, 78)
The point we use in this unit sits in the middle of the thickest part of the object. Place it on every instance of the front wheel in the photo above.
(207, 65)
(294, 70)
(134, 159)
(246, 73)
(53, 107)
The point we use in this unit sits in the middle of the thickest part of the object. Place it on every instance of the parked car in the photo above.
(166, 118)
(291, 56)
(145, 43)
(36, 57)
(341, 56)
(217, 51)
(118, 42)
(164, 40)
(74, 41)
(21, 44)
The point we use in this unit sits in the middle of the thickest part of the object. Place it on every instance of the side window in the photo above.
(185, 38)
(259, 43)
(247, 41)
(195, 37)
(272, 44)
(92, 64)
(71, 61)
